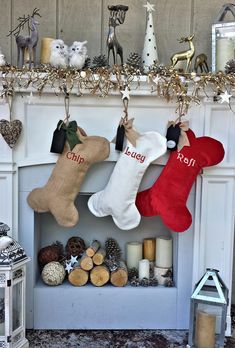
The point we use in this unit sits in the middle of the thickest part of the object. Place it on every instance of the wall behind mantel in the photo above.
(82, 20)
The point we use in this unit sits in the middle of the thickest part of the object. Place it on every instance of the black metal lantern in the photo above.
(208, 312)
(12, 291)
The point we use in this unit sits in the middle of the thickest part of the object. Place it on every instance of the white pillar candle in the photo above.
(164, 252)
(144, 269)
(224, 52)
(162, 274)
(134, 254)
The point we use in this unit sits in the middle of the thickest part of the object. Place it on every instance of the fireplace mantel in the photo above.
(208, 243)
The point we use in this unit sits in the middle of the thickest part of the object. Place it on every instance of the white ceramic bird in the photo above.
(2, 59)
(5, 241)
(59, 54)
(77, 54)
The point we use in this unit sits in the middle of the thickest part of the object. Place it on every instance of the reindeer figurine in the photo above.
(117, 17)
(26, 42)
(201, 62)
(184, 55)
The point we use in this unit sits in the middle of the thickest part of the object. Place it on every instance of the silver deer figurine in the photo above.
(184, 55)
(26, 42)
(117, 17)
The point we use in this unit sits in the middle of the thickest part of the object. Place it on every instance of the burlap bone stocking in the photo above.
(168, 195)
(118, 197)
(63, 186)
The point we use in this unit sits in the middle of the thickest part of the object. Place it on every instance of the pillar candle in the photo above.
(162, 274)
(149, 248)
(205, 330)
(144, 269)
(164, 252)
(224, 52)
(134, 254)
(45, 50)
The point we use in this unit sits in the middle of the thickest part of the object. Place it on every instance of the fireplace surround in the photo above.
(207, 243)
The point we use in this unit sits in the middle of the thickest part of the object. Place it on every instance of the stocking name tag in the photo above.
(58, 140)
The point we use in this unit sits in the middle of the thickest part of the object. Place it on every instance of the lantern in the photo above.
(223, 39)
(208, 312)
(12, 291)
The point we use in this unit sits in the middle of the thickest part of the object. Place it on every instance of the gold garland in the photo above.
(169, 84)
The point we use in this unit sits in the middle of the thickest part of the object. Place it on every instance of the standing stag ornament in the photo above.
(26, 42)
(116, 17)
(184, 55)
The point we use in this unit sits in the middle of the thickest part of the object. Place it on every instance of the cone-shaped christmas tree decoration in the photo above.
(149, 54)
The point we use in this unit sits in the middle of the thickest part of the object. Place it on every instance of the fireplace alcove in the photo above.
(207, 243)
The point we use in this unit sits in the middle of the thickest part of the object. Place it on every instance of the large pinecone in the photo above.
(75, 247)
(87, 63)
(50, 253)
(230, 67)
(100, 61)
(133, 273)
(134, 60)
(113, 250)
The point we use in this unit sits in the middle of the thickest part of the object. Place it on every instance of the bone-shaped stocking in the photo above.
(168, 195)
(118, 197)
(63, 186)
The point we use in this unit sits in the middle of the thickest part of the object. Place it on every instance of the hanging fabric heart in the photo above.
(11, 131)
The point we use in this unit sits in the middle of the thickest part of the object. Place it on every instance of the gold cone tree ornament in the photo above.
(149, 54)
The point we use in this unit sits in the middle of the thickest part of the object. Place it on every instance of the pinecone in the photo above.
(135, 282)
(134, 60)
(132, 272)
(153, 282)
(168, 283)
(230, 67)
(75, 246)
(100, 61)
(50, 253)
(111, 263)
(113, 250)
(144, 282)
(87, 63)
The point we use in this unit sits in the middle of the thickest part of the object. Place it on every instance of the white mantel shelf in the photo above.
(208, 242)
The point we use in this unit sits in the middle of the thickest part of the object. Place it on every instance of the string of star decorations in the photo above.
(184, 89)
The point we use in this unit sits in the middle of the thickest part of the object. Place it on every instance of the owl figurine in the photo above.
(77, 54)
(59, 54)
(2, 59)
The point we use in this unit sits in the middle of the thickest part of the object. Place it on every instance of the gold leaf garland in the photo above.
(184, 89)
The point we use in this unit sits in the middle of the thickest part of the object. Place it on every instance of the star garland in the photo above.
(185, 89)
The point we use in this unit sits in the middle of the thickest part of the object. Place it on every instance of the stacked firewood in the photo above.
(97, 265)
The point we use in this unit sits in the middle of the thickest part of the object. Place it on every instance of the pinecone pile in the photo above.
(230, 67)
(135, 281)
(75, 247)
(100, 61)
(50, 253)
(134, 60)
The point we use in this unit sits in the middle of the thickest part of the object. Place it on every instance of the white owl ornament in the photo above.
(59, 54)
(77, 54)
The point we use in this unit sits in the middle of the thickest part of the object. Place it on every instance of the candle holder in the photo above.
(223, 39)
(208, 312)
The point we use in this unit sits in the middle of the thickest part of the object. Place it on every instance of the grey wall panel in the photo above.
(5, 25)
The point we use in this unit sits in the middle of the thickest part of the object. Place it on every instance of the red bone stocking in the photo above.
(168, 196)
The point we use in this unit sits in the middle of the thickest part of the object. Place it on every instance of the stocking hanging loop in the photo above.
(66, 106)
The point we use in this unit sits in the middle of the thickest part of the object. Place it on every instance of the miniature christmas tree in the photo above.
(149, 54)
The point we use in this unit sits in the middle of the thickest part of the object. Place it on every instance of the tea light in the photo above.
(45, 50)
(149, 248)
(144, 269)
(134, 254)
(163, 252)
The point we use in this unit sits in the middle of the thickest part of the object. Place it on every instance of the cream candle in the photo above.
(45, 50)
(224, 52)
(205, 330)
(134, 254)
(163, 252)
(144, 269)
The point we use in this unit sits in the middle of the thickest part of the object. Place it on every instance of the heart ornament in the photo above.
(11, 131)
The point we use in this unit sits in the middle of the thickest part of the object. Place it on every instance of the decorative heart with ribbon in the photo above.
(11, 131)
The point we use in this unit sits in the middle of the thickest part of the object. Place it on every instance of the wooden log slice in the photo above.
(119, 277)
(86, 262)
(78, 276)
(93, 248)
(99, 256)
(99, 275)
